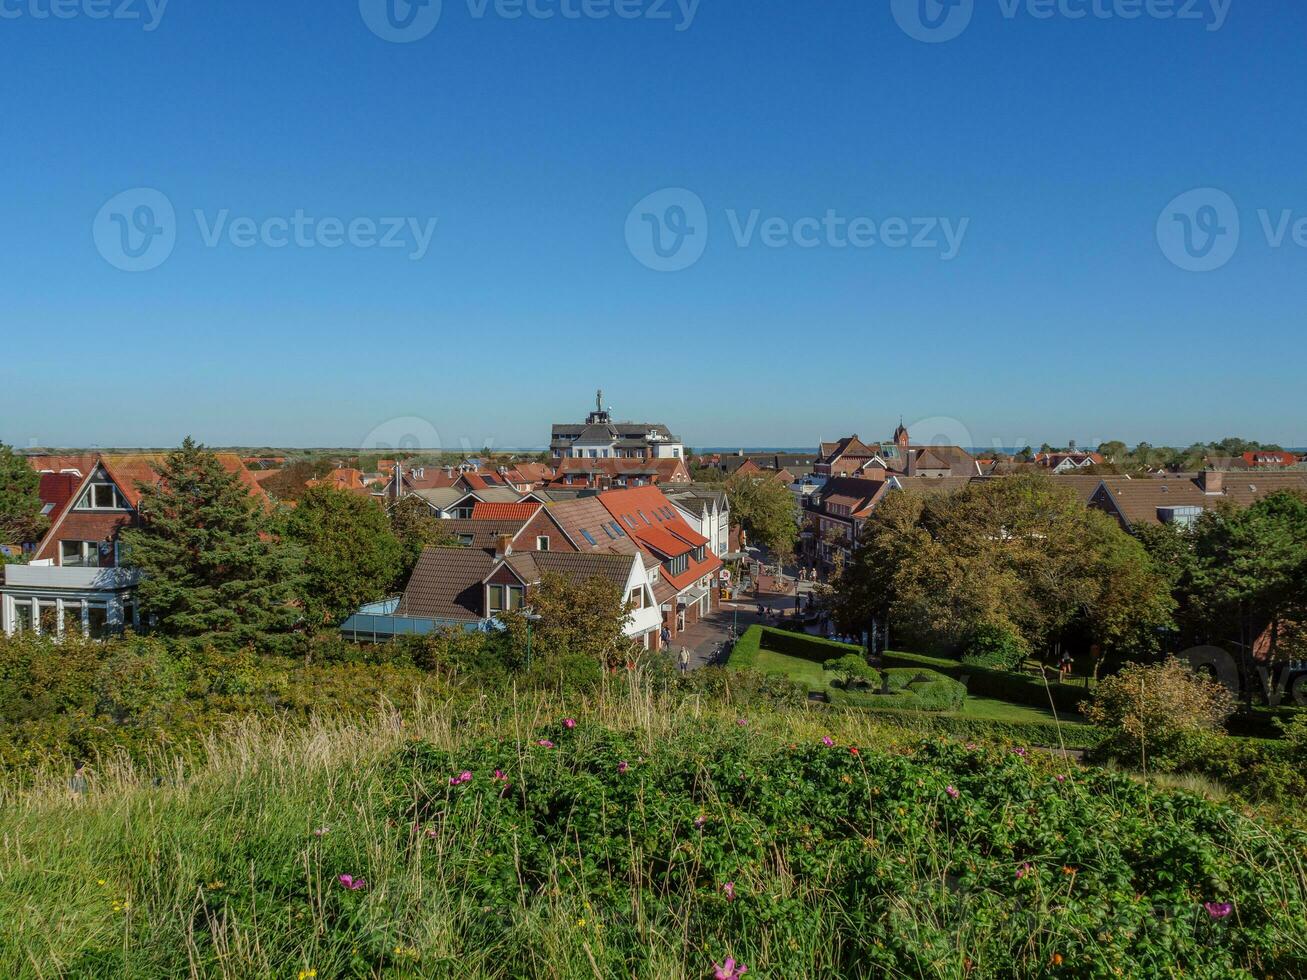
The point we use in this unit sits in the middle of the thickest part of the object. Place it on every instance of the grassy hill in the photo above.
(656, 836)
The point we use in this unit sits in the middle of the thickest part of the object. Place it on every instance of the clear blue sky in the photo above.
(530, 140)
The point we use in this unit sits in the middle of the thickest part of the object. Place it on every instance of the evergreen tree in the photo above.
(20, 499)
(209, 570)
(350, 554)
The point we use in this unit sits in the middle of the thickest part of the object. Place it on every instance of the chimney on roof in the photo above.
(1211, 481)
(503, 545)
(912, 462)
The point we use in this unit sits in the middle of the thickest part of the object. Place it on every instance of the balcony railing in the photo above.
(59, 577)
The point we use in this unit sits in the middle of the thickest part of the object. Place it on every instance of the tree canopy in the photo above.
(764, 506)
(20, 499)
(350, 555)
(211, 571)
(1020, 554)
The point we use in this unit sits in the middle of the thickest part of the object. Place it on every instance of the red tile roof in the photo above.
(650, 518)
(482, 511)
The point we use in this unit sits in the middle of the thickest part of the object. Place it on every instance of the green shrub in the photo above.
(1018, 688)
(852, 670)
(996, 646)
(802, 645)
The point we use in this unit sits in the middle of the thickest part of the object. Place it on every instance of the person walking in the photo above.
(78, 785)
(665, 637)
(685, 660)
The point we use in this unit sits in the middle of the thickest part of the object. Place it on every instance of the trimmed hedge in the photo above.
(801, 645)
(1003, 685)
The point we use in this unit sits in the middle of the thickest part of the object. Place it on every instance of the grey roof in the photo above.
(441, 497)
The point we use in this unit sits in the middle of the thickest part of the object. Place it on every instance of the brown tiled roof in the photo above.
(934, 484)
(446, 584)
(531, 566)
(1139, 501)
(588, 514)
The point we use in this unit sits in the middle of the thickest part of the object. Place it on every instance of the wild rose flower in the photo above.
(741, 721)
(460, 779)
(352, 883)
(699, 821)
(853, 750)
(622, 766)
(544, 743)
(569, 722)
(1024, 870)
(970, 746)
(1218, 910)
(730, 970)
(499, 776)
(728, 890)
(1021, 752)
(827, 741)
(322, 832)
(952, 791)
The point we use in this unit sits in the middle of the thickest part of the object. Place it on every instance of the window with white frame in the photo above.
(542, 543)
(102, 496)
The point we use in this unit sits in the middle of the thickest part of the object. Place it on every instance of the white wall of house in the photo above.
(648, 618)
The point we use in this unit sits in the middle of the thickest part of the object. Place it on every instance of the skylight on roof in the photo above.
(608, 531)
(618, 528)
(586, 534)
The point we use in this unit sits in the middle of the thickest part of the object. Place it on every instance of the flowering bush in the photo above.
(820, 859)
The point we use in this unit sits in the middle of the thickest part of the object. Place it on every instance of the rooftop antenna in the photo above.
(599, 400)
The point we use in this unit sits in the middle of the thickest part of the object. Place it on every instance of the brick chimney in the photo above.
(912, 461)
(1211, 481)
(503, 545)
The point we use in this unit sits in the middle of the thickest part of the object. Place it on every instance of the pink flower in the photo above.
(322, 832)
(544, 743)
(1218, 910)
(827, 741)
(431, 832)
(1020, 752)
(1060, 777)
(970, 746)
(952, 791)
(352, 883)
(499, 776)
(728, 890)
(1024, 870)
(569, 722)
(622, 766)
(460, 779)
(729, 970)
(699, 821)
(741, 722)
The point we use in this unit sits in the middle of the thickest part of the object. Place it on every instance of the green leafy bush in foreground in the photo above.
(652, 842)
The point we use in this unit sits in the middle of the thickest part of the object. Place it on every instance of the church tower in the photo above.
(901, 435)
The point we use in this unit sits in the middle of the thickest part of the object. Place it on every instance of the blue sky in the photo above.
(1055, 142)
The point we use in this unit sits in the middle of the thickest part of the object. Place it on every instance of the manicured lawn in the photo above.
(814, 678)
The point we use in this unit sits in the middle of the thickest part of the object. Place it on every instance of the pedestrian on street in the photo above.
(685, 660)
(666, 637)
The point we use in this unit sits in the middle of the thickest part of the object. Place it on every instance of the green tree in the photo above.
(20, 500)
(210, 571)
(351, 556)
(1020, 554)
(765, 508)
(852, 669)
(416, 527)
(571, 617)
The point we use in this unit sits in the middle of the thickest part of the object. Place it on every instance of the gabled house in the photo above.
(470, 588)
(1067, 462)
(835, 517)
(707, 510)
(599, 437)
(75, 579)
